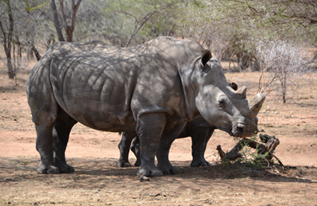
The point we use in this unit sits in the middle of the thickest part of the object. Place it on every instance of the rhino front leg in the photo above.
(149, 129)
(61, 131)
(200, 137)
(162, 156)
(44, 146)
(124, 147)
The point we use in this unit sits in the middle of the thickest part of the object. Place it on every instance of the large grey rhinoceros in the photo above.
(149, 89)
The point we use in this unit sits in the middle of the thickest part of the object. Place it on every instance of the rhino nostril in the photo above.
(240, 130)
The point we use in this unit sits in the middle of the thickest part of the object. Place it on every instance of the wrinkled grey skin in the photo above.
(148, 89)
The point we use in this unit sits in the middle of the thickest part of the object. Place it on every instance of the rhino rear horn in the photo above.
(255, 104)
(241, 93)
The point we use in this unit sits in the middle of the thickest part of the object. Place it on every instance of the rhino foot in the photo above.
(66, 169)
(51, 170)
(123, 164)
(153, 172)
(42, 169)
(169, 170)
(63, 166)
(199, 163)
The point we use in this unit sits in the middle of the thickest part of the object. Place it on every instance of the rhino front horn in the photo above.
(255, 104)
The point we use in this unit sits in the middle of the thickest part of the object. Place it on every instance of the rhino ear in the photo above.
(205, 57)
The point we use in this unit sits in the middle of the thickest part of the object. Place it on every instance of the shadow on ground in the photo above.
(95, 171)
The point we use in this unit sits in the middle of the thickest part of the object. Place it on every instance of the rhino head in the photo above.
(220, 105)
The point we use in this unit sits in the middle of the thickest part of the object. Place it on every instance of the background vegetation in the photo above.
(244, 32)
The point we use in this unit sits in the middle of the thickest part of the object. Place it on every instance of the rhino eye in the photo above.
(222, 102)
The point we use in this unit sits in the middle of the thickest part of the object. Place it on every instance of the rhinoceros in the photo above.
(149, 88)
(198, 129)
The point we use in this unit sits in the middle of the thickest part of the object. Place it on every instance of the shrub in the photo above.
(282, 64)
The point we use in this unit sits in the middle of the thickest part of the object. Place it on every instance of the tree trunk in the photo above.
(7, 39)
(11, 71)
(69, 29)
(56, 21)
(37, 54)
(283, 80)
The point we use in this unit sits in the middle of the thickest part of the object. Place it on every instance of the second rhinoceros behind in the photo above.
(149, 89)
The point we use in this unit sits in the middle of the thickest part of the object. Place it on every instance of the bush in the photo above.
(282, 64)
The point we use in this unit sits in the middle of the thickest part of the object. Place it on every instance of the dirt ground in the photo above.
(98, 181)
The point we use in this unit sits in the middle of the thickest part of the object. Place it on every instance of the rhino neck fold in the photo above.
(189, 88)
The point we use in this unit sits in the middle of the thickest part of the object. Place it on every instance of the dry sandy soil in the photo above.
(98, 181)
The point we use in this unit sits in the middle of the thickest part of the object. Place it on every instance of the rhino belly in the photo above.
(102, 119)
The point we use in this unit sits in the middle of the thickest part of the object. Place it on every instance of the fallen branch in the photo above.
(268, 149)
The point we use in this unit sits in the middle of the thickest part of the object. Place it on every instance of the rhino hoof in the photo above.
(53, 170)
(42, 171)
(173, 171)
(123, 164)
(156, 173)
(203, 163)
(68, 169)
(149, 173)
(71, 169)
(170, 170)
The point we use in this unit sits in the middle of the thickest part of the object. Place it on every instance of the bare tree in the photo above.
(282, 65)
(8, 38)
(138, 23)
(68, 17)
(56, 21)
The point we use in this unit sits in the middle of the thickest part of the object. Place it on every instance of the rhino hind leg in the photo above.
(135, 148)
(200, 138)
(124, 147)
(149, 129)
(62, 127)
(45, 147)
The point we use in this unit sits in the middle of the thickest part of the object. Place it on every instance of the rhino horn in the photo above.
(255, 104)
(241, 93)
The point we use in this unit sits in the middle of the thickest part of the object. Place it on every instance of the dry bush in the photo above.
(282, 65)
